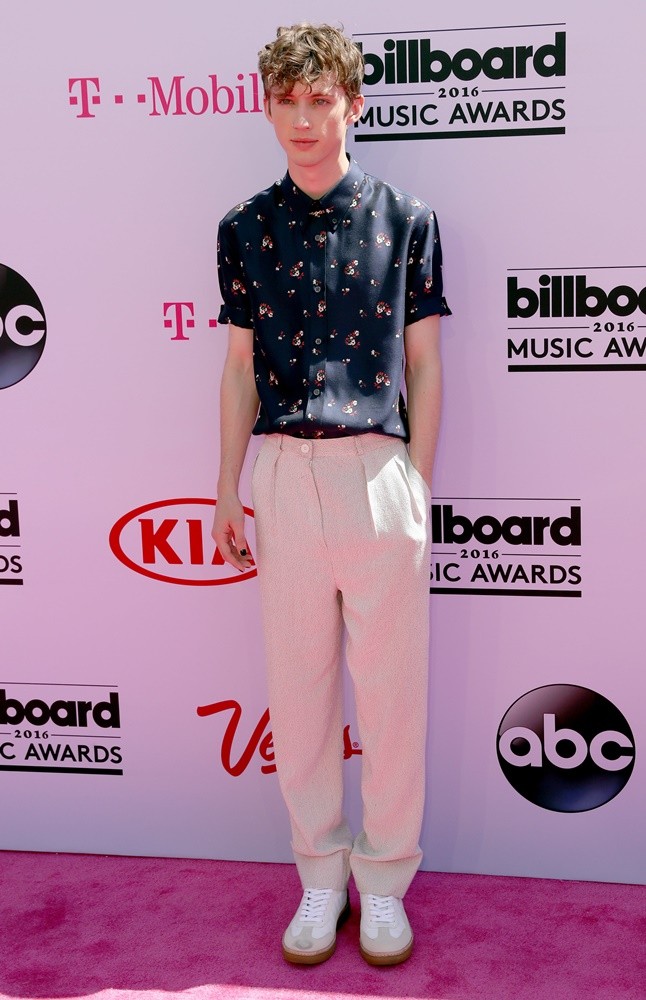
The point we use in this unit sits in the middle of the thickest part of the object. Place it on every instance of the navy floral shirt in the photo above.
(327, 287)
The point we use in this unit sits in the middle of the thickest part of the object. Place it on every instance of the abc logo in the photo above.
(565, 748)
(22, 327)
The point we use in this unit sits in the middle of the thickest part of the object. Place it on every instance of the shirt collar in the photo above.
(332, 207)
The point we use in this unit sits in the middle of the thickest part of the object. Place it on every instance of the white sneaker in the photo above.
(385, 935)
(311, 936)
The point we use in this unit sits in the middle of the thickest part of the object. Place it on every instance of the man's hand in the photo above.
(228, 532)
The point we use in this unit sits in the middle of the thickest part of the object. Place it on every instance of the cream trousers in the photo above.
(341, 540)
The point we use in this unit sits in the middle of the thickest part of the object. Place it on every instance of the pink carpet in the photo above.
(119, 928)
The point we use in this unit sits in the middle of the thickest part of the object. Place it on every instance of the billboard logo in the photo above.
(565, 748)
(568, 319)
(495, 80)
(526, 547)
(170, 541)
(22, 327)
(420, 60)
(60, 728)
(10, 558)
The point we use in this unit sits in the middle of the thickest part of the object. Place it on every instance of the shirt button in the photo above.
(318, 341)
(305, 448)
(316, 392)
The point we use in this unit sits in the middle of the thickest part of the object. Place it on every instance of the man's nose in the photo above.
(301, 120)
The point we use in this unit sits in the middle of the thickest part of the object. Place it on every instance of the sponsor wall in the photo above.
(133, 712)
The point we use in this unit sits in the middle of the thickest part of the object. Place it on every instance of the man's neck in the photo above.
(317, 181)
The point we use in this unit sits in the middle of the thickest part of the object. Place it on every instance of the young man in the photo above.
(330, 278)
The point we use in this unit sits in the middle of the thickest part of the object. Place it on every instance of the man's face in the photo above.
(310, 123)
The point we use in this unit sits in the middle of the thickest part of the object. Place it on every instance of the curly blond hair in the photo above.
(304, 52)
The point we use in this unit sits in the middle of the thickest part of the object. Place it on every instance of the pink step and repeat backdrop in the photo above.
(133, 711)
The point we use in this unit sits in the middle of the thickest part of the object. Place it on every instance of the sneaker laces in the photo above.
(381, 909)
(314, 905)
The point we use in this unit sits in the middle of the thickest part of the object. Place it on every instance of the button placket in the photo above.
(317, 342)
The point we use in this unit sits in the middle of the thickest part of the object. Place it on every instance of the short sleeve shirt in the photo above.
(328, 286)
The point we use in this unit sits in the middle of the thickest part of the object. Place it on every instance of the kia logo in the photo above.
(170, 540)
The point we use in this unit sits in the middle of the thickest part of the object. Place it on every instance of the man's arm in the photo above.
(238, 412)
(423, 374)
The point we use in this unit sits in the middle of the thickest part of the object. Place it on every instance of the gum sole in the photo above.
(393, 958)
(315, 958)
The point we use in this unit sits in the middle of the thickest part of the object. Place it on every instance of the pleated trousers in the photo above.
(342, 541)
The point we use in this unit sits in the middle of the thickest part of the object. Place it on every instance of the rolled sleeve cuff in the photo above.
(237, 316)
(434, 305)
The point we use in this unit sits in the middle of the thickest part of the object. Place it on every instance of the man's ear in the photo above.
(355, 109)
(266, 103)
